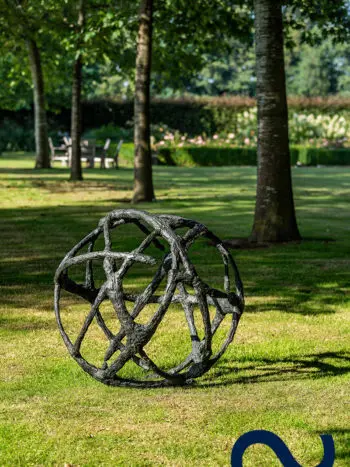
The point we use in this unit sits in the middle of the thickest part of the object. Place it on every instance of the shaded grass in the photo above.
(287, 371)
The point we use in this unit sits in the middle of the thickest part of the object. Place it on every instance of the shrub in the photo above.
(192, 156)
(111, 131)
(321, 156)
(126, 155)
(323, 130)
(320, 130)
(15, 137)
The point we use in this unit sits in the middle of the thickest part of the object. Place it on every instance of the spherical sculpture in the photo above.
(179, 274)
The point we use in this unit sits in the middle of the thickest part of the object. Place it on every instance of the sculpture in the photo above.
(180, 275)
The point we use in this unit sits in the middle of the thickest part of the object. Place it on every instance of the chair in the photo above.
(88, 152)
(102, 154)
(55, 150)
(116, 156)
(67, 140)
(106, 161)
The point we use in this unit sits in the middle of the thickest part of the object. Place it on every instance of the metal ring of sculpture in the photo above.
(179, 274)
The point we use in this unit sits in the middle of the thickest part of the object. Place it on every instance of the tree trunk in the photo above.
(76, 172)
(41, 137)
(274, 219)
(143, 181)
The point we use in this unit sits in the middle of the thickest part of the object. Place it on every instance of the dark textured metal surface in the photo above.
(180, 275)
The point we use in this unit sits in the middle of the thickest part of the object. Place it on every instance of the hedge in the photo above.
(193, 116)
(195, 156)
(322, 156)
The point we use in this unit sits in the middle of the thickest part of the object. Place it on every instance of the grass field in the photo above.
(288, 369)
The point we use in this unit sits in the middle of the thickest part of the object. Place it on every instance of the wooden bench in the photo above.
(90, 153)
(105, 161)
(59, 153)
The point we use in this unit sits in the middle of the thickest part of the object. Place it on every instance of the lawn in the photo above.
(287, 371)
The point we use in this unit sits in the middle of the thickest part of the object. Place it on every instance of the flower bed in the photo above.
(241, 131)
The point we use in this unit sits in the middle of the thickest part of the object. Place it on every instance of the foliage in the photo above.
(110, 131)
(214, 54)
(186, 33)
(317, 19)
(318, 70)
(15, 92)
(232, 72)
(324, 130)
(21, 22)
(16, 137)
(52, 24)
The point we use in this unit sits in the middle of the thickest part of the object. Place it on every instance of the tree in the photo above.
(198, 27)
(41, 134)
(206, 31)
(19, 20)
(274, 219)
(98, 28)
(76, 172)
(320, 70)
(231, 73)
(15, 92)
(143, 182)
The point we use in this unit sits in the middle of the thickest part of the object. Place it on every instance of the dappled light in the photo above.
(292, 338)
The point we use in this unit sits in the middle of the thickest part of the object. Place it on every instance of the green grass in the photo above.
(287, 370)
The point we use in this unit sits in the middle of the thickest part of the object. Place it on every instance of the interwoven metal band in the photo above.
(180, 274)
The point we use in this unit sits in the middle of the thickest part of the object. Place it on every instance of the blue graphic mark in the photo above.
(280, 449)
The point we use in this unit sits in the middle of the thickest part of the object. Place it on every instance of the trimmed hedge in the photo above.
(195, 156)
(192, 156)
(193, 116)
(324, 156)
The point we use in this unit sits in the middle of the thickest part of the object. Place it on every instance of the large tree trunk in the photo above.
(41, 137)
(76, 172)
(274, 219)
(143, 182)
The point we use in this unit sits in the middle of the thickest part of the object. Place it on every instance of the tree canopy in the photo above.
(201, 48)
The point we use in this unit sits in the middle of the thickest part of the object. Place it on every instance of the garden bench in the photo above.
(115, 159)
(59, 153)
(90, 153)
